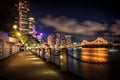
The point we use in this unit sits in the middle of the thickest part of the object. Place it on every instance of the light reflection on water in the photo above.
(94, 54)
(94, 71)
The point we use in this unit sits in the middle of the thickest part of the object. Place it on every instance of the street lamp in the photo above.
(15, 27)
(19, 34)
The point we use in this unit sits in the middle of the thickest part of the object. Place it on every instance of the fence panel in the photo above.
(1, 49)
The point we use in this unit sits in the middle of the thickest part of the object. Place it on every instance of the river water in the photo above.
(95, 63)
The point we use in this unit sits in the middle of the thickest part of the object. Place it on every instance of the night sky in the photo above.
(77, 17)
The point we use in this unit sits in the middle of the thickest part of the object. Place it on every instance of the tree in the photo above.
(32, 41)
(22, 37)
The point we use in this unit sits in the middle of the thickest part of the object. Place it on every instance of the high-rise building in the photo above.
(31, 25)
(68, 40)
(63, 41)
(51, 40)
(58, 40)
(23, 9)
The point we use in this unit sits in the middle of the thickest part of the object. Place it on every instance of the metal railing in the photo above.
(61, 57)
(7, 49)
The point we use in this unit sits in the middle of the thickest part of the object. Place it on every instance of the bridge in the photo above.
(99, 40)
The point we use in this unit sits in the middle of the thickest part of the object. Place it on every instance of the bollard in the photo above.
(63, 59)
(42, 52)
(39, 52)
(48, 54)
(35, 51)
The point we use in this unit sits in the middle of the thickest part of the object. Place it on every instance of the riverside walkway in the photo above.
(26, 66)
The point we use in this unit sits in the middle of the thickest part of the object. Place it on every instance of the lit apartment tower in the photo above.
(51, 40)
(63, 41)
(31, 25)
(23, 10)
(68, 40)
(58, 40)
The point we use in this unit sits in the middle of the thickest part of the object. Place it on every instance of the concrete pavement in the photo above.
(26, 66)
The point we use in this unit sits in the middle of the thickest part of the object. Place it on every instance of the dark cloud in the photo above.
(67, 25)
(116, 27)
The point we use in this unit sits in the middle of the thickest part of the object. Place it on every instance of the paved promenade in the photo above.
(26, 66)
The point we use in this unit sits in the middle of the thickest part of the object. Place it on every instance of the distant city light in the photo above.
(41, 34)
(75, 43)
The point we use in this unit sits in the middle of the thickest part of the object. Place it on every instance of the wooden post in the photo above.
(42, 52)
(64, 59)
(48, 54)
(39, 52)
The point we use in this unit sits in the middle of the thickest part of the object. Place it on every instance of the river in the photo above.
(95, 63)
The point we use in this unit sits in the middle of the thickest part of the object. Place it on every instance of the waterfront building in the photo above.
(51, 40)
(31, 25)
(68, 40)
(58, 40)
(23, 9)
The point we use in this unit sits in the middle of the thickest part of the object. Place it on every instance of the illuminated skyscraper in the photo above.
(31, 25)
(23, 10)
(58, 40)
(51, 40)
(68, 40)
(63, 41)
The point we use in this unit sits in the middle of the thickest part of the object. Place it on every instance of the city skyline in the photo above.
(81, 19)
(78, 18)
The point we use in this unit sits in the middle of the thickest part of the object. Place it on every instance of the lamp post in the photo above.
(15, 27)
